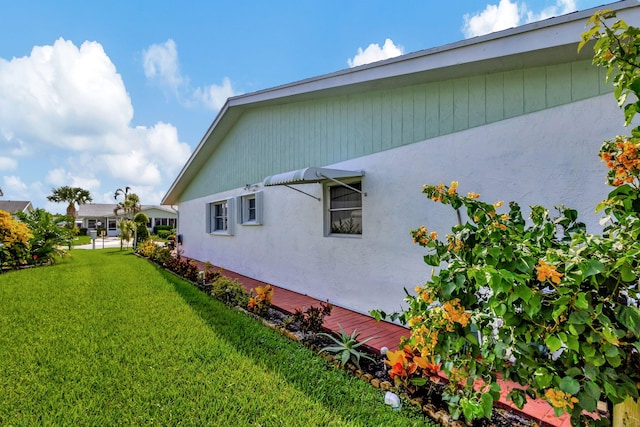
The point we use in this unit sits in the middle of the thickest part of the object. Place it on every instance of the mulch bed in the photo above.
(376, 373)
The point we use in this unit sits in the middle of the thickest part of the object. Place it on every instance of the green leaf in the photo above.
(629, 316)
(626, 273)
(581, 302)
(587, 402)
(534, 305)
(433, 260)
(523, 292)
(570, 385)
(572, 343)
(553, 343)
(500, 310)
(419, 381)
(558, 312)
(542, 378)
(580, 317)
(518, 397)
(487, 404)
(591, 268)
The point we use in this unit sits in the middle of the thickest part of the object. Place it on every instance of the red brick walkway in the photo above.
(386, 335)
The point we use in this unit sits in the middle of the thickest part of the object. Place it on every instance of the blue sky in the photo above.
(103, 95)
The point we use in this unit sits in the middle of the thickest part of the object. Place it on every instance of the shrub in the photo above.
(15, 237)
(229, 291)
(261, 301)
(184, 268)
(312, 318)
(162, 255)
(142, 233)
(157, 228)
(82, 231)
(147, 249)
(557, 308)
(164, 234)
(210, 273)
(48, 236)
(346, 348)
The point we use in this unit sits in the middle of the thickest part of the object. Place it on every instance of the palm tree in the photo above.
(130, 204)
(72, 196)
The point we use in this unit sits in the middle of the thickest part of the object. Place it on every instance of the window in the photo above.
(345, 209)
(218, 217)
(171, 222)
(112, 224)
(250, 212)
(91, 223)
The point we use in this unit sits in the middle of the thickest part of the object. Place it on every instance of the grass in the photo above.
(105, 338)
(81, 240)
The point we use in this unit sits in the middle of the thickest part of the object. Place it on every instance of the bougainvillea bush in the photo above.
(538, 302)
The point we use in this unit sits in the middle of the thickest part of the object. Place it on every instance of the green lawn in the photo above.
(105, 338)
(81, 240)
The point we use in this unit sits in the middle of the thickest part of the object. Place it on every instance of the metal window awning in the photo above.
(312, 175)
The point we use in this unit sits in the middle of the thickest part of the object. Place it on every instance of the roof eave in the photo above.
(491, 52)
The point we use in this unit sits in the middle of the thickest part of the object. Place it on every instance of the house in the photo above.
(13, 206)
(314, 185)
(96, 215)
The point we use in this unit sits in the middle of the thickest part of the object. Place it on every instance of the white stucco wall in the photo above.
(547, 158)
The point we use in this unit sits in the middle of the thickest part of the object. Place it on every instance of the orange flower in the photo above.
(560, 399)
(472, 195)
(453, 188)
(546, 271)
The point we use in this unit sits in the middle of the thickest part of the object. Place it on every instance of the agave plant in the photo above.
(346, 348)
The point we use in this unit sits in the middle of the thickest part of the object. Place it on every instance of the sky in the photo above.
(105, 95)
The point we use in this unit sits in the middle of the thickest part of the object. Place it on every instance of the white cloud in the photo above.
(13, 185)
(7, 163)
(493, 18)
(214, 96)
(61, 96)
(161, 65)
(65, 116)
(509, 14)
(560, 8)
(59, 177)
(375, 53)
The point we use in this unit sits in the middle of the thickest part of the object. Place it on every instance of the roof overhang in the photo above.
(547, 42)
(309, 175)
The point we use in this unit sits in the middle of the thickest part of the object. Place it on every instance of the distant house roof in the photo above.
(102, 210)
(12, 206)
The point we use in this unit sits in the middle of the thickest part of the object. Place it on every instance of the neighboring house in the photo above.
(13, 206)
(90, 215)
(515, 115)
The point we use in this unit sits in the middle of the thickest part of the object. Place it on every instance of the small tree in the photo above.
(129, 205)
(127, 228)
(72, 196)
(142, 232)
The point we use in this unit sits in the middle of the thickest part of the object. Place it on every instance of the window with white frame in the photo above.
(219, 217)
(344, 215)
(250, 210)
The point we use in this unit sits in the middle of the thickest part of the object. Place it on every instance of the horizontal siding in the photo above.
(280, 138)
